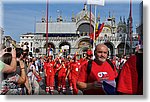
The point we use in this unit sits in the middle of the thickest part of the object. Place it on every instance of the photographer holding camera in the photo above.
(22, 56)
(5, 68)
(11, 80)
(14, 82)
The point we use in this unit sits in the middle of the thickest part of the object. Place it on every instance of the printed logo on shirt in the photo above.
(57, 65)
(51, 65)
(102, 74)
(78, 63)
(77, 69)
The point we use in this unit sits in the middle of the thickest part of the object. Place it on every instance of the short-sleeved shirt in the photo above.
(62, 71)
(49, 68)
(2, 65)
(128, 79)
(75, 69)
(97, 72)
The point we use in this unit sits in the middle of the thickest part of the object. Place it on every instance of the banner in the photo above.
(96, 2)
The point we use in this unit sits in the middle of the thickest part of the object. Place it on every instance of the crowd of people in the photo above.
(21, 74)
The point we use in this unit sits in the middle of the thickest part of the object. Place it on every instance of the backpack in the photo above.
(121, 64)
(90, 65)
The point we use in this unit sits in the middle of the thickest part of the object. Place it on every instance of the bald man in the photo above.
(100, 70)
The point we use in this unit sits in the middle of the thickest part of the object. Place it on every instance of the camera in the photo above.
(9, 49)
(25, 53)
(19, 52)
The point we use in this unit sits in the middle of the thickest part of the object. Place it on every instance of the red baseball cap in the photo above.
(89, 52)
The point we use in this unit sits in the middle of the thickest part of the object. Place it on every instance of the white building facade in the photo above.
(73, 36)
(1, 34)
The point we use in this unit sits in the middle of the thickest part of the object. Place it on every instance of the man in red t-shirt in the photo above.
(68, 74)
(100, 70)
(49, 73)
(131, 76)
(57, 65)
(73, 73)
(61, 76)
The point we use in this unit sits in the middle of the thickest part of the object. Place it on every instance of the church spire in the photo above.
(73, 17)
(43, 17)
(85, 7)
(98, 17)
(113, 15)
(109, 18)
(124, 20)
(109, 14)
(120, 19)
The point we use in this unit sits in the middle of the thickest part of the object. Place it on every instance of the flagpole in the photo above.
(130, 29)
(94, 42)
(125, 45)
(47, 28)
(90, 30)
(90, 19)
(95, 3)
(34, 33)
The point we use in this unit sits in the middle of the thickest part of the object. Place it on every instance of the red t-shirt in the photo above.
(97, 72)
(75, 68)
(128, 79)
(45, 63)
(84, 62)
(56, 67)
(49, 68)
(67, 64)
(62, 71)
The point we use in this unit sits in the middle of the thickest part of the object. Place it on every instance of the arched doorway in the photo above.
(83, 51)
(26, 46)
(84, 45)
(65, 47)
(123, 49)
(110, 49)
(50, 48)
(84, 29)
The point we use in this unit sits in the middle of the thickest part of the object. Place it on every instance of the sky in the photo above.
(20, 17)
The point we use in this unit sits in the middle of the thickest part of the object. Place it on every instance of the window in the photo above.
(31, 44)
